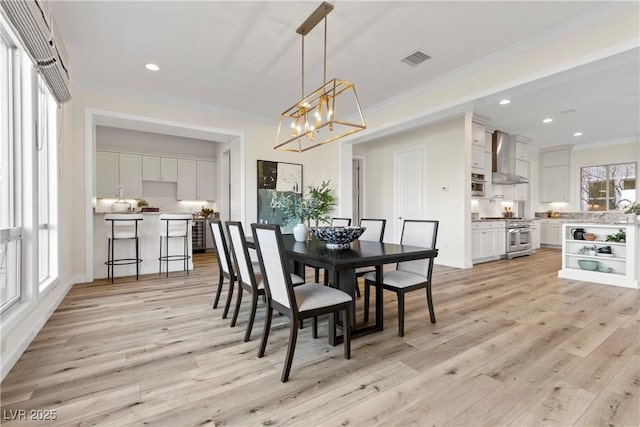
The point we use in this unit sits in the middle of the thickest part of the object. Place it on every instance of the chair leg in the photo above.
(113, 244)
(137, 259)
(293, 337)
(238, 302)
(108, 258)
(167, 253)
(229, 298)
(219, 291)
(432, 313)
(184, 252)
(265, 331)
(317, 274)
(252, 316)
(160, 258)
(400, 314)
(346, 332)
(367, 294)
(314, 327)
(357, 289)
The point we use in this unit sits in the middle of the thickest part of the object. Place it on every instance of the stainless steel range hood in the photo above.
(503, 154)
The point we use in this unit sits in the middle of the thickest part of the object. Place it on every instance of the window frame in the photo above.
(584, 202)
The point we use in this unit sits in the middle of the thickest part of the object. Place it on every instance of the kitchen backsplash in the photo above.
(166, 204)
(608, 216)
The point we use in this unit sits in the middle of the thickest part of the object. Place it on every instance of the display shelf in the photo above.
(625, 270)
(596, 257)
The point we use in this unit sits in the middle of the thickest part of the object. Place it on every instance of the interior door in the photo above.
(408, 187)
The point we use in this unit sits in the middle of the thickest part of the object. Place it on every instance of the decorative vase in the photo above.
(300, 232)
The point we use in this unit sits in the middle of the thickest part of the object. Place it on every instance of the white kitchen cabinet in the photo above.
(622, 260)
(106, 174)
(477, 159)
(130, 175)
(163, 169)
(555, 184)
(487, 241)
(550, 232)
(478, 134)
(555, 175)
(535, 235)
(522, 153)
(195, 180)
(113, 169)
(205, 177)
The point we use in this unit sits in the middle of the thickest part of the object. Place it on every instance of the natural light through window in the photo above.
(608, 187)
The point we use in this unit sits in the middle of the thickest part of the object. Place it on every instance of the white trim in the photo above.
(94, 116)
(609, 143)
(11, 355)
(363, 184)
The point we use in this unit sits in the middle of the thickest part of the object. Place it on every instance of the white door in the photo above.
(408, 187)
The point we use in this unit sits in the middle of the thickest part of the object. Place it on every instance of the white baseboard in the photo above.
(33, 321)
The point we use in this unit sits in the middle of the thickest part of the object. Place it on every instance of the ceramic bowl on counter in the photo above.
(337, 237)
(605, 269)
(588, 264)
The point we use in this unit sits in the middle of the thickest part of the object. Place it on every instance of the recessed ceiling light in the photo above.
(577, 134)
(547, 120)
(505, 102)
(152, 67)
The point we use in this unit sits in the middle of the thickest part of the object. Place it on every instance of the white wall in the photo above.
(592, 155)
(444, 145)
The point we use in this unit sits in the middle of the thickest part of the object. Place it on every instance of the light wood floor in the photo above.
(514, 345)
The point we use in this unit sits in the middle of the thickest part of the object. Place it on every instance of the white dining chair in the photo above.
(297, 303)
(224, 264)
(409, 275)
(247, 274)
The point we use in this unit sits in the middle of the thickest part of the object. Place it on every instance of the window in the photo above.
(47, 188)
(10, 232)
(608, 187)
(28, 179)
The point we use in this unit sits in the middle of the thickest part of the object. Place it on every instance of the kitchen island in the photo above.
(149, 231)
(619, 267)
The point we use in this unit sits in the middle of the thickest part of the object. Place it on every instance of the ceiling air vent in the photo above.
(569, 111)
(417, 57)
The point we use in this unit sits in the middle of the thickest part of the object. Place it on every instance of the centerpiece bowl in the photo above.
(337, 237)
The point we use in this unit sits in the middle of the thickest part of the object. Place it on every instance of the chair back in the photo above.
(221, 247)
(176, 225)
(240, 253)
(418, 233)
(277, 280)
(374, 229)
(340, 222)
(122, 226)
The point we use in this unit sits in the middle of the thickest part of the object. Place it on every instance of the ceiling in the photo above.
(246, 56)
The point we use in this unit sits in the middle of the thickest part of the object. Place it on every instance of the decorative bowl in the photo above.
(605, 269)
(589, 236)
(588, 264)
(337, 237)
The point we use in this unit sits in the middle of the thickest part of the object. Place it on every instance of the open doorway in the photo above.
(358, 190)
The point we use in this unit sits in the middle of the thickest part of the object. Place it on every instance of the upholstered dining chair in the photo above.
(409, 275)
(297, 303)
(246, 273)
(224, 264)
(374, 232)
(335, 222)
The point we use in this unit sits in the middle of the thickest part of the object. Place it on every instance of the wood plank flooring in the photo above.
(514, 345)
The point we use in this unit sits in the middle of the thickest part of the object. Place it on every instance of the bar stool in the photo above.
(176, 225)
(122, 227)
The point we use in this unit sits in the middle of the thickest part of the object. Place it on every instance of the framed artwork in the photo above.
(276, 179)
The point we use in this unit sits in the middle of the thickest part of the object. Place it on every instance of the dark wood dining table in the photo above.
(341, 265)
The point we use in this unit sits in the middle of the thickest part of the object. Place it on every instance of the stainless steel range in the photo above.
(518, 234)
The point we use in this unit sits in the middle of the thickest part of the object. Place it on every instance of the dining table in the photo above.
(341, 264)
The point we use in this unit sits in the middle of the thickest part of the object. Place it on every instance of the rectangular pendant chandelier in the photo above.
(325, 115)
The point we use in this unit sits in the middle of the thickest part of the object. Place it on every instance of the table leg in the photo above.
(379, 306)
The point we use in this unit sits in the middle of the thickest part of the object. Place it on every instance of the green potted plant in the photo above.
(141, 203)
(633, 212)
(316, 206)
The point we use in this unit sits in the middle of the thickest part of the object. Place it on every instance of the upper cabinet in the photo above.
(555, 170)
(163, 169)
(477, 148)
(113, 169)
(196, 180)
